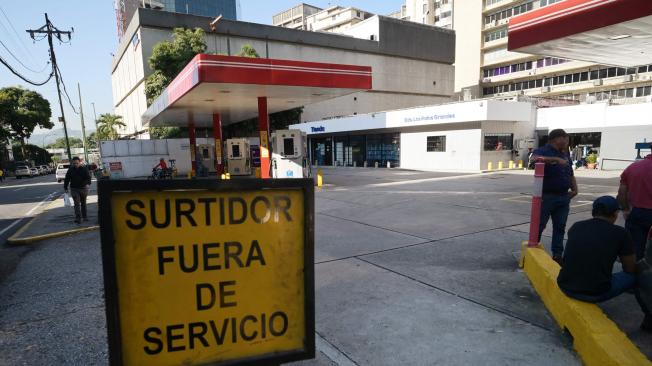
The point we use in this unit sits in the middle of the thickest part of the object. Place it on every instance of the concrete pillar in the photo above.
(263, 129)
(217, 136)
(193, 145)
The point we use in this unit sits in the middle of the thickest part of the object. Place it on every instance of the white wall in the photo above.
(365, 29)
(462, 151)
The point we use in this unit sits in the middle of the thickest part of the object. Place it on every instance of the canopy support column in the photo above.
(263, 129)
(217, 136)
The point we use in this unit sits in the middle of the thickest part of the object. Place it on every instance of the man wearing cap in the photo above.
(635, 197)
(591, 251)
(559, 187)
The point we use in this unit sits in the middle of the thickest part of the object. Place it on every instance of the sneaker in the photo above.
(647, 324)
(558, 259)
(77, 221)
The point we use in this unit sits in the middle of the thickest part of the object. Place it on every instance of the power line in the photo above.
(65, 91)
(22, 44)
(20, 62)
(2, 61)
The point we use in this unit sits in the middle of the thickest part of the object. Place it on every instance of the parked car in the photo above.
(60, 174)
(34, 172)
(22, 171)
(42, 169)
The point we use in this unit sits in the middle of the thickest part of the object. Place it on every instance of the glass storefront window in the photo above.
(355, 150)
(498, 141)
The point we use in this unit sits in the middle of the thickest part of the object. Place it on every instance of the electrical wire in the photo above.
(21, 43)
(20, 62)
(65, 91)
(2, 61)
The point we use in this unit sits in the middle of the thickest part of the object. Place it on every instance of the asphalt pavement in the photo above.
(411, 269)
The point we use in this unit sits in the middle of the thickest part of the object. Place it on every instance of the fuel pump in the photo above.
(289, 154)
(238, 157)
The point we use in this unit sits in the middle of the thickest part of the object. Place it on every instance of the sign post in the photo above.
(203, 272)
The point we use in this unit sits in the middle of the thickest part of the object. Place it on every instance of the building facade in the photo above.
(485, 68)
(295, 17)
(432, 12)
(335, 19)
(125, 9)
(405, 73)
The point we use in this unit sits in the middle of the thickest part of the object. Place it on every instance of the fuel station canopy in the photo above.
(609, 32)
(230, 86)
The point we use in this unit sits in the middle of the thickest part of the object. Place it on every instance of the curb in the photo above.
(596, 338)
(17, 240)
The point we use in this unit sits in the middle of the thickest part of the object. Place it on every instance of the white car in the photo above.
(34, 172)
(22, 171)
(60, 174)
(42, 169)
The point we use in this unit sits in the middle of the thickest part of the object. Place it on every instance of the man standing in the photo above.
(635, 198)
(79, 179)
(557, 182)
(591, 252)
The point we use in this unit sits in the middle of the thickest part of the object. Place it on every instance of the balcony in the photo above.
(499, 5)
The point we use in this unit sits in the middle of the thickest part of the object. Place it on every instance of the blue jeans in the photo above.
(638, 224)
(620, 282)
(556, 206)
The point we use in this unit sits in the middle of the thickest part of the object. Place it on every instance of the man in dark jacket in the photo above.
(79, 179)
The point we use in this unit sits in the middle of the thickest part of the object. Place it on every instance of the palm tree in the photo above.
(108, 125)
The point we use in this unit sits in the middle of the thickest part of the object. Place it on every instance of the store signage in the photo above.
(318, 129)
(114, 166)
(434, 117)
(208, 272)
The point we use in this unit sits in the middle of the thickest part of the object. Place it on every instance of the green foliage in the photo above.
(247, 50)
(592, 158)
(170, 57)
(91, 141)
(164, 132)
(108, 125)
(21, 111)
(61, 143)
(32, 152)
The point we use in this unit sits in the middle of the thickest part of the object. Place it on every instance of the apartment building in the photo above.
(431, 12)
(295, 17)
(484, 67)
(335, 19)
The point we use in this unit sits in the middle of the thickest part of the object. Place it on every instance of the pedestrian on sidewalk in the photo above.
(559, 187)
(2, 175)
(591, 251)
(635, 198)
(79, 179)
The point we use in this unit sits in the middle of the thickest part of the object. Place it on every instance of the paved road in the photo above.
(415, 272)
(21, 199)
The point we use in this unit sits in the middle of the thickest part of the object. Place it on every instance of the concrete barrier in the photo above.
(597, 340)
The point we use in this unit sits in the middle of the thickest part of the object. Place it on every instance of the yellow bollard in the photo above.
(257, 173)
(189, 174)
(223, 176)
(520, 164)
(511, 164)
(320, 178)
(500, 165)
(228, 175)
(490, 166)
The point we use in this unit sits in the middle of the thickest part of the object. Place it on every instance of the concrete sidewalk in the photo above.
(56, 220)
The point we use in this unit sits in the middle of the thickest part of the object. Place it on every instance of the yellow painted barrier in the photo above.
(320, 178)
(520, 164)
(500, 165)
(490, 166)
(596, 338)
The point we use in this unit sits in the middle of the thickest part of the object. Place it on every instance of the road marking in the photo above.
(331, 352)
(19, 189)
(27, 214)
(414, 181)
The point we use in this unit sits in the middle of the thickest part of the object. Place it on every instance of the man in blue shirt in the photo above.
(559, 187)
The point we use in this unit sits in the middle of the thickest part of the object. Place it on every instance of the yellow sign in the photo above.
(205, 276)
(218, 151)
(264, 145)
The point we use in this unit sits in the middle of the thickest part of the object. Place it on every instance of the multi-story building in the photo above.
(485, 68)
(125, 9)
(400, 14)
(295, 17)
(432, 12)
(406, 74)
(335, 19)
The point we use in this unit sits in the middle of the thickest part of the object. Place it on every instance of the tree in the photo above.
(21, 111)
(61, 143)
(27, 152)
(91, 141)
(164, 132)
(247, 50)
(170, 57)
(108, 124)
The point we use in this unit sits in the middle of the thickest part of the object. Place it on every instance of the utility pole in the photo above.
(50, 29)
(97, 133)
(81, 114)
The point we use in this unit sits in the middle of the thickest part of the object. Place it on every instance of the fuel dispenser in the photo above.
(289, 154)
(238, 157)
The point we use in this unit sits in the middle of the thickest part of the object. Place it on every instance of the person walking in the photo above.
(79, 179)
(559, 187)
(2, 175)
(635, 198)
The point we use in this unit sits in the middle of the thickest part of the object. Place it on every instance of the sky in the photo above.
(87, 58)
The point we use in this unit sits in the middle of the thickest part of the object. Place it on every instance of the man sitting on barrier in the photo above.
(590, 254)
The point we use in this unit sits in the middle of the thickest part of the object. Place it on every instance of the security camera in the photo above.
(213, 24)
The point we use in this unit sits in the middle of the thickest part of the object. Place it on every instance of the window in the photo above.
(436, 144)
(642, 69)
(595, 74)
(498, 141)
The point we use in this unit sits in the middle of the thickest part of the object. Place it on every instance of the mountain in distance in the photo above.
(49, 136)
